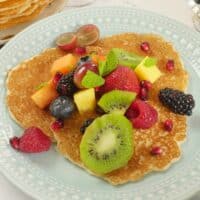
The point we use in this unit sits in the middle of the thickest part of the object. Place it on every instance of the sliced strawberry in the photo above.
(123, 78)
(32, 141)
(142, 115)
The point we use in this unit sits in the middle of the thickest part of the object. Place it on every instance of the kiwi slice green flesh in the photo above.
(116, 101)
(107, 143)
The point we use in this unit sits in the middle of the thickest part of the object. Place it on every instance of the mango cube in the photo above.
(149, 73)
(64, 64)
(43, 97)
(85, 100)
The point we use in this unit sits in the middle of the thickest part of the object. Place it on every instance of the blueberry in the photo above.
(62, 107)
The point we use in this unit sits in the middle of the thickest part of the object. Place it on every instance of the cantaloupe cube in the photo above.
(149, 73)
(44, 96)
(64, 64)
(85, 100)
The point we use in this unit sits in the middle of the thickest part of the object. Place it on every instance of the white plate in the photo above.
(48, 176)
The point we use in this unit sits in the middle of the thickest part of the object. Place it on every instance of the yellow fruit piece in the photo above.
(85, 100)
(64, 64)
(151, 73)
(44, 96)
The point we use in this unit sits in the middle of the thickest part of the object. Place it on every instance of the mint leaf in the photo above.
(110, 63)
(149, 62)
(41, 85)
(101, 67)
(117, 57)
(91, 80)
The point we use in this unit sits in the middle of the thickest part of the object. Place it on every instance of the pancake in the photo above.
(14, 10)
(21, 83)
(8, 3)
(29, 14)
(69, 138)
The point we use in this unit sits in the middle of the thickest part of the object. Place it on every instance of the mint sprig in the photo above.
(91, 80)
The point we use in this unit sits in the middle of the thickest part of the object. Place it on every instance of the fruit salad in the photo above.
(115, 87)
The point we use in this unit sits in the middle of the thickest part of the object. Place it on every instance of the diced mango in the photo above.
(64, 64)
(85, 100)
(45, 95)
(149, 73)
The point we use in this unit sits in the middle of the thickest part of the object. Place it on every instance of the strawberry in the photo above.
(142, 115)
(122, 78)
(32, 141)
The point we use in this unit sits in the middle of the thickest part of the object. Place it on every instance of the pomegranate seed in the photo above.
(156, 151)
(145, 46)
(143, 94)
(56, 78)
(170, 65)
(168, 125)
(14, 142)
(58, 124)
(146, 84)
(80, 51)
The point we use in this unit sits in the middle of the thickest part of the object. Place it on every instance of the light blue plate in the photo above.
(49, 176)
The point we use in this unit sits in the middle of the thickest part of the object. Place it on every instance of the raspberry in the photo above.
(142, 115)
(14, 142)
(123, 78)
(32, 141)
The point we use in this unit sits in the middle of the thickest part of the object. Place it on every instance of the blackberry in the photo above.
(84, 60)
(85, 124)
(177, 101)
(66, 85)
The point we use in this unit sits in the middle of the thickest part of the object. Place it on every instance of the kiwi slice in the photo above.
(116, 101)
(107, 143)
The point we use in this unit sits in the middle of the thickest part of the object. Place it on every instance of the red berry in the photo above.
(168, 125)
(170, 65)
(122, 78)
(142, 115)
(146, 84)
(143, 94)
(156, 151)
(145, 46)
(56, 78)
(80, 51)
(14, 142)
(32, 141)
(97, 89)
(58, 124)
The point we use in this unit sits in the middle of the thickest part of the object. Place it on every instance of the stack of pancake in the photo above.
(14, 12)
